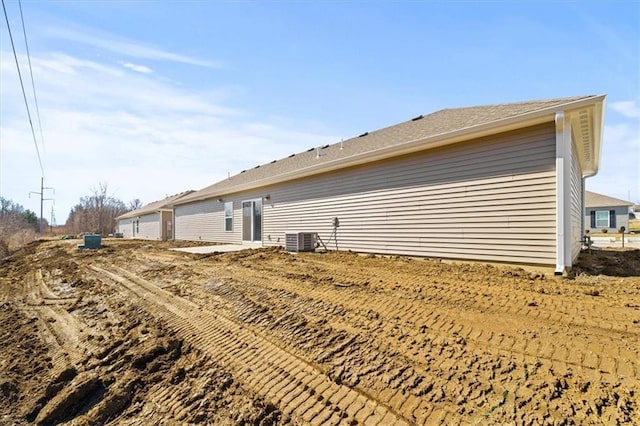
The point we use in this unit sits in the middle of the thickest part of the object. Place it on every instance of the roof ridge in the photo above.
(534, 101)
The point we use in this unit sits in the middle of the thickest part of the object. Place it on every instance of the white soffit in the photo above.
(586, 131)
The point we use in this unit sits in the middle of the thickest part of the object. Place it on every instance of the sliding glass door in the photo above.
(252, 220)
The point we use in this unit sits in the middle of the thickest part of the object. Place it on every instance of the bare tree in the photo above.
(135, 204)
(96, 212)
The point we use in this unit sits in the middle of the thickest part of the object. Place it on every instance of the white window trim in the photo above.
(608, 219)
(228, 217)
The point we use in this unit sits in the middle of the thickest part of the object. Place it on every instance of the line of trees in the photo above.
(97, 212)
(18, 226)
(94, 213)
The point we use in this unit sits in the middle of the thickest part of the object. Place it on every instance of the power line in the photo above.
(33, 83)
(24, 93)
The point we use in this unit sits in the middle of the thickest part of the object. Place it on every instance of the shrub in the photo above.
(605, 230)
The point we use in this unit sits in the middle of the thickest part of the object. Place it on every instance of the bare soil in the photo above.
(136, 334)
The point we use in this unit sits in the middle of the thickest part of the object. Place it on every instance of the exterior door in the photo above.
(252, 220)
(169, 230)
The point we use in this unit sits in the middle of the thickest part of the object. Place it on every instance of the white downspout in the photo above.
(563, 193)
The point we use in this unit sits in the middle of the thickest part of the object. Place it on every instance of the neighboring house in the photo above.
(603, 212)
(491, 183)
(153, 221)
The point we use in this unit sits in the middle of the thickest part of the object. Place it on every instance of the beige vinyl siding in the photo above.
(576, 208)
(149, 227)
(490, 199)
(204, 221)
(125, 227)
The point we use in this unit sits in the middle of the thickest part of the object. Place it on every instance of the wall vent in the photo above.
(300, 241)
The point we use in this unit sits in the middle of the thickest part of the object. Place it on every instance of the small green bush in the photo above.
(605, 230)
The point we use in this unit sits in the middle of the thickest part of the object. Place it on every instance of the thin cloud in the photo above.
(627, 108)
(124, 46)
(144, 136)
(137, 68)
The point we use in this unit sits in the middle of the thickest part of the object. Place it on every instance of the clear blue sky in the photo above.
(154, 98)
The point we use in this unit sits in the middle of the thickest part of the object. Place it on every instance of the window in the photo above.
(228, 216)
(602, 219)
(137, 225)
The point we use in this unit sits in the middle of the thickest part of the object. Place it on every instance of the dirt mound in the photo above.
(137, 334)
(611, 262)
(98, 359)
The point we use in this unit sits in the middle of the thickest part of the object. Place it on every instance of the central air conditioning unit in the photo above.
(300, 241)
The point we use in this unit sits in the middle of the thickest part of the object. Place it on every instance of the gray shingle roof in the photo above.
(154, 206)
(438, 123)
(593, 199)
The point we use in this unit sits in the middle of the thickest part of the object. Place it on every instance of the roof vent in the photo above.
(256, 167)
(292, 155)
(326, 146)
(310, 149)
(420, 117)
(273, 161)
(364, 134)
(243, 171)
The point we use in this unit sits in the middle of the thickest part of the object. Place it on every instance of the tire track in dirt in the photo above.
(411, 313)
(468, 293)
(440, 313)
(62, 331)
(378, 331)
(299, 388)
(412, 391)
(417, 314)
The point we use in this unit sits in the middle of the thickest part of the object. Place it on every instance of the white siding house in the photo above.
(153, 221)
(494, 183)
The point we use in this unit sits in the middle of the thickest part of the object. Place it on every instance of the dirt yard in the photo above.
(136, 334)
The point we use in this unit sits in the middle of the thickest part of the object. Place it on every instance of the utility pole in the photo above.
(53, 220)
(42, 200)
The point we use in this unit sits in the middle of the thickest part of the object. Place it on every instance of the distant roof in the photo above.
(154, 206)
(593, 199)
(428, 130)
